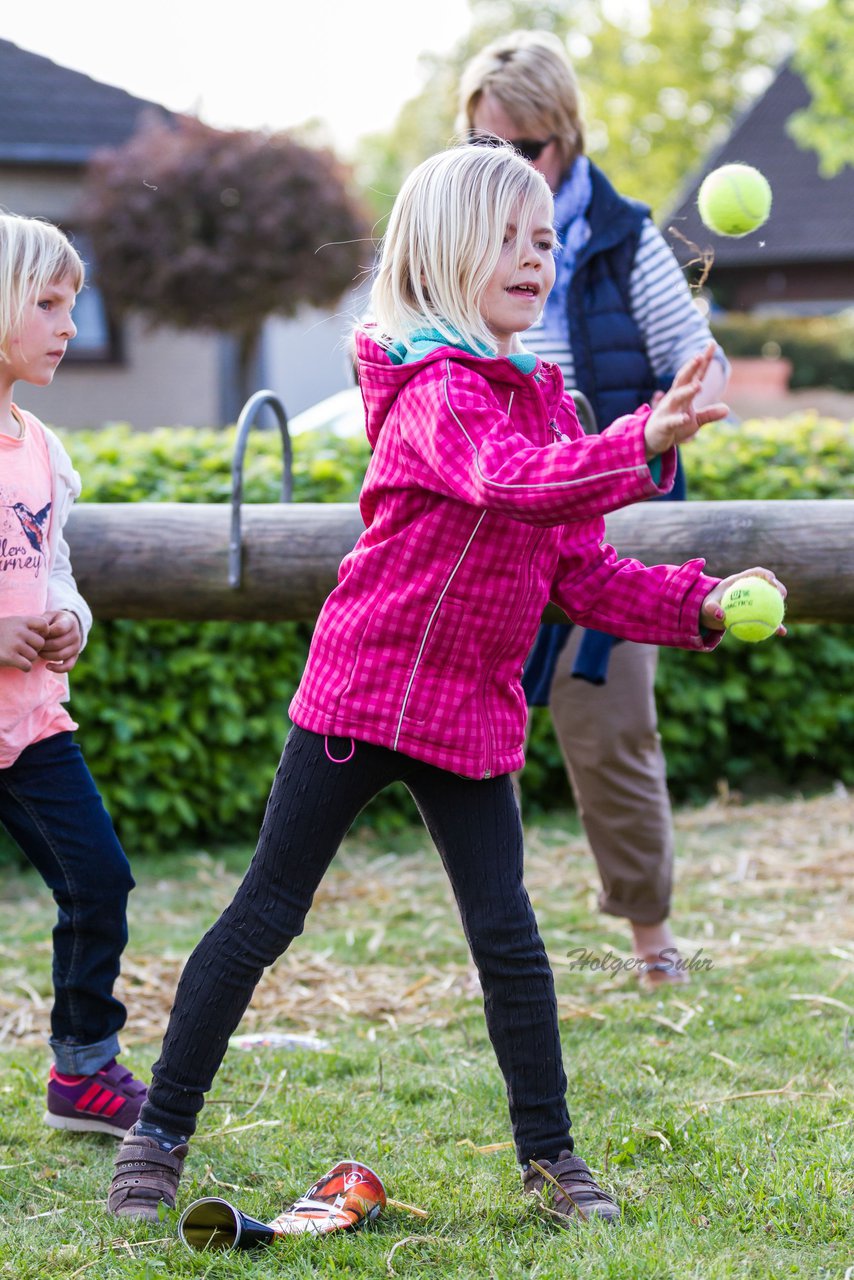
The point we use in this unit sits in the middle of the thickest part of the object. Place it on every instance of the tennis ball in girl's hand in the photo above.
(753, 609)
(734, 200)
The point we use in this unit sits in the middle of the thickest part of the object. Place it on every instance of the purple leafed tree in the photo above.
(204, 229)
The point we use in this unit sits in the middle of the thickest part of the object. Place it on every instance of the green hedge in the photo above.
(182, 723)
(778, 714)
(767, 717)
(821, 348)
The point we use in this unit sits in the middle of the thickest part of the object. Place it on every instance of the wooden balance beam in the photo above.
(171, 560)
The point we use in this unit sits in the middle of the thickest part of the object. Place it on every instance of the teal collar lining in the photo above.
(423, 341)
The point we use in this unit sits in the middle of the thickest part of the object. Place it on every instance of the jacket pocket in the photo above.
(434, 671)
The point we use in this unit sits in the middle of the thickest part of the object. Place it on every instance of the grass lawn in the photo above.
(719, 1114)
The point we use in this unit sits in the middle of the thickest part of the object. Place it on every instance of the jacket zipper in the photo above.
(520, 604)
(487, 773)
(429, 627)
(553, 427)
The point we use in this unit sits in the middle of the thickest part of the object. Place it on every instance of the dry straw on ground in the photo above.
(752, 879)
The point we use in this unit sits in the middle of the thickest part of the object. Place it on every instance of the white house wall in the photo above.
(169, 378)
(166, 377)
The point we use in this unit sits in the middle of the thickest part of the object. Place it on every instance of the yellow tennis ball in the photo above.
(753, 609)
(734, 200)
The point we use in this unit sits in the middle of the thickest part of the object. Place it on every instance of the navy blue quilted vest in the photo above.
(611, 367)
(611, 364)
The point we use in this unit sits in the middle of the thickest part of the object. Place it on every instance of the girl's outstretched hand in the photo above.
(711, 611)
(675, 418)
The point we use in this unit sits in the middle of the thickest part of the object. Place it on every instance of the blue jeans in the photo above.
(50, 805)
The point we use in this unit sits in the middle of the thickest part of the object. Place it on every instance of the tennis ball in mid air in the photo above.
(753, 609)
(734, 200)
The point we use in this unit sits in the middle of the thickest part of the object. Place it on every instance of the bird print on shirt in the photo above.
(32, 524)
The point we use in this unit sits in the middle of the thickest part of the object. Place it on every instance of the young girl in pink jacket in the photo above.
(483, 501)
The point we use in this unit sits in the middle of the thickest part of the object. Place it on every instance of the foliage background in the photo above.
(227, 228)
(662, 82)
(182, 723)
(825, 59)
(769, 717)
(820, 348)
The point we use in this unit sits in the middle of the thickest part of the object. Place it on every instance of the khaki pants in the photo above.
(608, 735)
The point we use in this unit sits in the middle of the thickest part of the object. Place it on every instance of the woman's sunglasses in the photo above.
(530, 148)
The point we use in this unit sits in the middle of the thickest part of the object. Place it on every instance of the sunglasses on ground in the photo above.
(530, 148)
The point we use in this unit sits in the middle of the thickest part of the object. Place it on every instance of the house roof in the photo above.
(52, 115)
(811, 215)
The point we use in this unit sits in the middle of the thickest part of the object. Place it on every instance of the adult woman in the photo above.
(619, 323)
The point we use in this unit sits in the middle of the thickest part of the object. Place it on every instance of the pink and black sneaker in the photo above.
(109, 1101)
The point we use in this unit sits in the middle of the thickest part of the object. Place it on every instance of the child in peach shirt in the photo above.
(48, 801)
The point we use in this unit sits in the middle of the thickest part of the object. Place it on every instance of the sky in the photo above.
(261, 64)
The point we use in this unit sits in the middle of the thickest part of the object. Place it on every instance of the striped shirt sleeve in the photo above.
(672, 328)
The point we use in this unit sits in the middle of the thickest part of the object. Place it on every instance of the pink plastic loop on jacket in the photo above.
(332, 758)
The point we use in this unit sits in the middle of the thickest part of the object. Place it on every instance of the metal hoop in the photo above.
(247, 418)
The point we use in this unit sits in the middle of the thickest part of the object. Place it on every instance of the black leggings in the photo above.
(314, 800)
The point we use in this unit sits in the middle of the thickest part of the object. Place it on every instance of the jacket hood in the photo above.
(381, 379)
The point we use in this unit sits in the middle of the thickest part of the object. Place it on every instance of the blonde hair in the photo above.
(531, 77)
(444, 240)
(33, 254)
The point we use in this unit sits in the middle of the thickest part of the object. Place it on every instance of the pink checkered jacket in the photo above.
(482, 501)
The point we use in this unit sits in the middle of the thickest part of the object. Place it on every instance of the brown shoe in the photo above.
(145, 1175)
(567, 1190)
